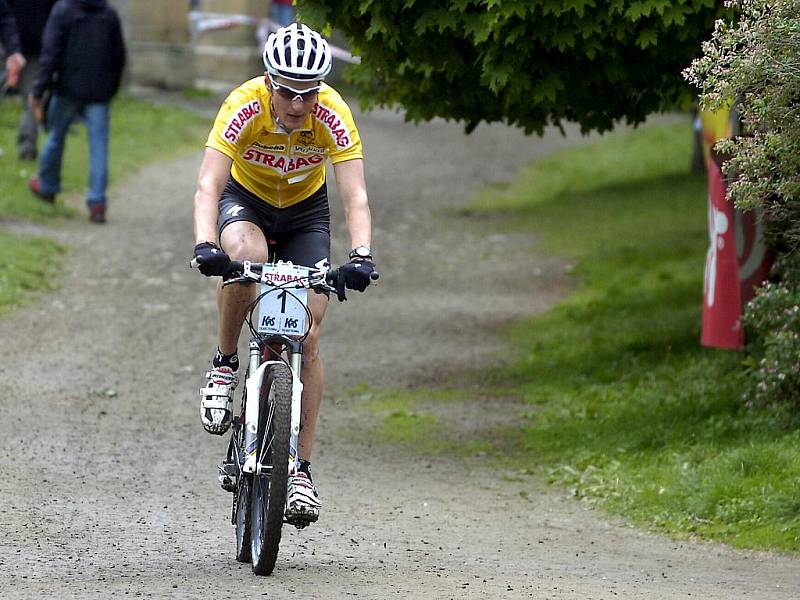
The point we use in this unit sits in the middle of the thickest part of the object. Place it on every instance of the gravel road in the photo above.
(109, 483)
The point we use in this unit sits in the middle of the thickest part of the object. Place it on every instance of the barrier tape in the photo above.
(202, 22)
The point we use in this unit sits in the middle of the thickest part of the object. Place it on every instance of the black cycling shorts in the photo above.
(300, 233)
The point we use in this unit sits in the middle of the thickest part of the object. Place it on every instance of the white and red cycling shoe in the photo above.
(302, 500)
(216, 400)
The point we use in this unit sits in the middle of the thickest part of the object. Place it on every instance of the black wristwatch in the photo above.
(361, 252)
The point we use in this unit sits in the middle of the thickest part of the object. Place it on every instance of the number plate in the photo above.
(282, 310)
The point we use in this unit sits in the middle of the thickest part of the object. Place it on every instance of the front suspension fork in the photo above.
(256, 374)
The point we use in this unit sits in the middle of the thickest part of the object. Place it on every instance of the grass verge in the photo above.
(27, 270)
(141, 132)
(623, 406)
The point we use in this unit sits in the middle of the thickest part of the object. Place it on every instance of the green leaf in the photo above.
(648, 37)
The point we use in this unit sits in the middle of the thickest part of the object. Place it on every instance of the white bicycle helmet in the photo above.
(297, 52)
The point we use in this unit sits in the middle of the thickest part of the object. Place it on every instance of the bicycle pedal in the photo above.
(227, 484)
(228, 468)
(227, 477)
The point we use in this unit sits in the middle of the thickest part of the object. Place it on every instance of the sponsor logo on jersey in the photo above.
(334, 123)
(240, 120)
(308, 150)
(270, 147)
(281, 162)
(235, 210)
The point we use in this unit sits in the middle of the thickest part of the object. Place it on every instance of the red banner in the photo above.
(722, 302)
(737, 261)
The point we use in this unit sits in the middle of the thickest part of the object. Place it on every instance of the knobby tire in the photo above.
(268, 497)
(242, 518)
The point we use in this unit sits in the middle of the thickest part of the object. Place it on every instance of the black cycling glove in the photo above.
(355, 275)
(211, 260)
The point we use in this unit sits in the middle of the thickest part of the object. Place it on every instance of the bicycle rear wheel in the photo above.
(268, 497)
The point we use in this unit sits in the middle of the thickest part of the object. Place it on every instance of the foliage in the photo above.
(623, 408)
(529, 62)
(774, 318)
(756, 60)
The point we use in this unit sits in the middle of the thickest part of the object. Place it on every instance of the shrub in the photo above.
(773, 317)
(756, 61)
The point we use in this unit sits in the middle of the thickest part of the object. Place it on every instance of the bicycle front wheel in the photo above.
(241, 516)
(268, 501)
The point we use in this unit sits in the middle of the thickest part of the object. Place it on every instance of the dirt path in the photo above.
(109, 482)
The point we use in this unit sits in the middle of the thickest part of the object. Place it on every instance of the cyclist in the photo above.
(261, 192)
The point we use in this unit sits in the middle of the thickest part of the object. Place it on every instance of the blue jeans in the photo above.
(28, 132)
(282, 14)
(61, 113)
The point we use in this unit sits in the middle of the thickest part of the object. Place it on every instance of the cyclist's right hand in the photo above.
(211, 260)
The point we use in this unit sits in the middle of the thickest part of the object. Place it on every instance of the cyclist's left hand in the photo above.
(355, 275)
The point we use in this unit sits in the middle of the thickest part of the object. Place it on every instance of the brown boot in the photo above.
(35, 186)
(97, 213)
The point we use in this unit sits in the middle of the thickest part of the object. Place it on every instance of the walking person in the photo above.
(31, 17)
(9, 39)
(282, 12)
(83, 56)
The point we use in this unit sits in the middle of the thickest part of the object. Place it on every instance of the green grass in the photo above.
(626, 410)
(28, 270)
(140, 133)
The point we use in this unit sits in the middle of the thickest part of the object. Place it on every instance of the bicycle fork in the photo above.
(258, 370)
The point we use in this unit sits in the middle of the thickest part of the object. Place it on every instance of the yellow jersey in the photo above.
(282, 168)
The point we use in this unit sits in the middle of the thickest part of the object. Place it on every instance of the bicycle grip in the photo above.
(333, 276)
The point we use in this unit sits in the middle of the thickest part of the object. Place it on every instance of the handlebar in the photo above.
(320, 279)
(251, 272)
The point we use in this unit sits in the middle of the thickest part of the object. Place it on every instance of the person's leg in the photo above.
(28, 132)
(96, 116)
(313, 376)
(241, 240)
(303, 500)
(282, 14)
(309, 246)
(60, 114)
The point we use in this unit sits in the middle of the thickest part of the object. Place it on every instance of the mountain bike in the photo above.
(262, 452)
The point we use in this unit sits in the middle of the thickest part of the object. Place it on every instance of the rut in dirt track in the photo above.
(109, 483)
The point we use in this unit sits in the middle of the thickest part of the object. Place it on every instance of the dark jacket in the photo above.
(83, 53)
(9, 38)
(31, 16)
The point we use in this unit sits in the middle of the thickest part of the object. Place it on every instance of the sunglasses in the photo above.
(291, 94)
